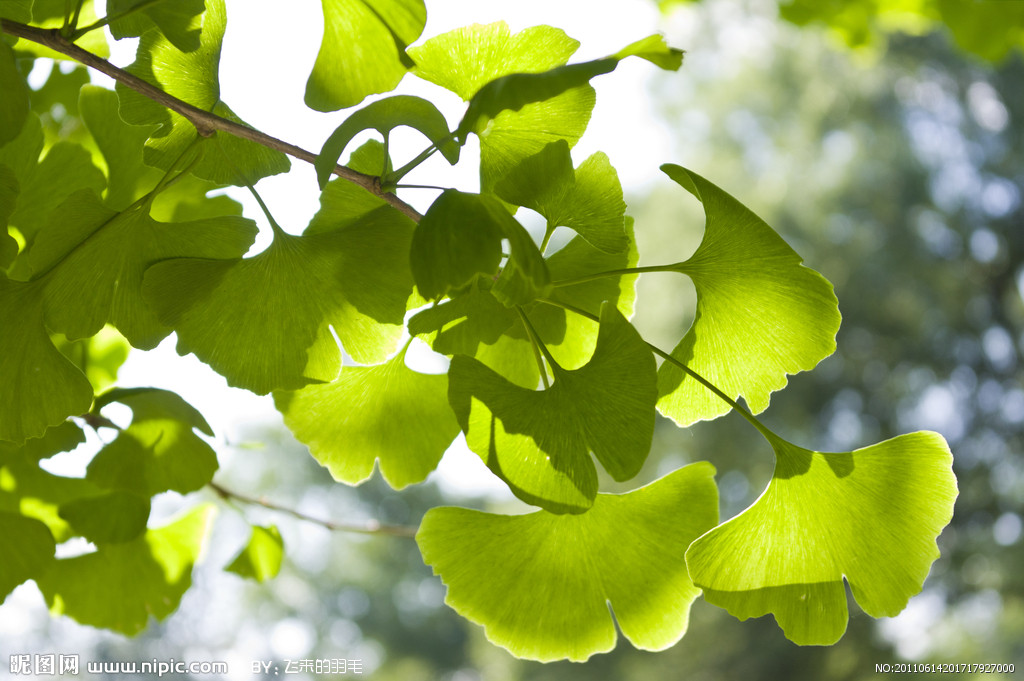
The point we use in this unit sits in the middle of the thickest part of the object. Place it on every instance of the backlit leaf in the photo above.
(871, 516)
(260, 559)
(98, 357)
(761, 315)
(113, 517)
(28, 551)
(178, 20)
(15, 102)
(542, 584)
(27, 489)
(60, 438)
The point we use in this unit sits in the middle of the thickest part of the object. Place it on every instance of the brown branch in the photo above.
(370, 527)
(206, 123)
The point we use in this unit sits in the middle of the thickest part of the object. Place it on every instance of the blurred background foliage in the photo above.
(883, 141)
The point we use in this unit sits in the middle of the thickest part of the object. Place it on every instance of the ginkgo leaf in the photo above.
(363, 50)
(387, 413)
(193, 77)
(587, 200)
(541, 584)
(761, 314)
(460, 238)
(540, 442)
(159, 451)
(119, 586)
(260, 559)
(179, 21)
(8, 199)
(40, 387)
(27, 489)
(264, 322)
(60, 438)
(51, 14)
(99, 357)
(15, 103)
(18, 10)
(384, 116)
(112, 517)
(29, 551)
(871, 516)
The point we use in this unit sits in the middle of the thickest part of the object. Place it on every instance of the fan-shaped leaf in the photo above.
(112, 517)
(178, 20)
(260, 559)
(29, 550)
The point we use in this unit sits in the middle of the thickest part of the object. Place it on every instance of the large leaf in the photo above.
(193, 78)
(119, 586)
(60, 438)
(387, 413)
(761, 315)
(40, 387)
(264, 322)
(540, 442)
(34, 493)
(15, 103)
(94, 259)
(541, 584)
(178, 20)
(871, 516)
(28, 551)
(363, 50)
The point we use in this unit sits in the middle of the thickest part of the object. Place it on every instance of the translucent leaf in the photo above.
(119, 586)
(94, 259)
(654, 49)
(112, 517)
(178, 20)
(540, 442)
(363, 50)
(99, 357)
(460, 238)
(193, 78)
(588, 199)
(264, 322)
(387, 413)
(761, 315)
(18, 10)
(260, 559)
(27, 489)
(542, 584)
(40, 387)
(15, 103)
(28, 551)
(60, 438)
(871, 516)
(463, 323)
(50, 14)
(159, 451)
(384, 116)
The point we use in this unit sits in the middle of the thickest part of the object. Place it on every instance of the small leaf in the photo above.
(179, 21)
(264, 322)
(119, 586)
(542, 584)
(363, 50)
(386, 412)
(15, 103)
(761, 315)
(99, 357)
(540, 442)
(112, 517)
(654, 49)
(29, 551)
(40, 387)
(384, 116)
(871, 516)
(261, 558)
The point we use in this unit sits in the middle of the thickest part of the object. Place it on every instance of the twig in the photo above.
(206, 123)
(370, 527)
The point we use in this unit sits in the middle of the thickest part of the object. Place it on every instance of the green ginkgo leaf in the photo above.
(159, 450)
(384, 116)
(35, 493)
(8, 199)
(18, 10)
(541, 584)
(871, 516)
(261, 558)
(51, 14)
(40, 387)
(60, 438)
(99, 357)
(29, 551)
(363, 50)
(112, 517)
(119, 586)
(93, 259)
(761, 315)
(540, 442)
(14, 105)
(387, 413)
(178, 20)
(193, 77)
(265, 322)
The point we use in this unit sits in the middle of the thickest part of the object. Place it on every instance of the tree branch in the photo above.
(206, 123)
(370, 527)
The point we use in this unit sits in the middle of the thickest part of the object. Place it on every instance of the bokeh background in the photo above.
(883, 140)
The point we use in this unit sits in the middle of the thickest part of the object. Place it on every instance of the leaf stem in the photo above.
(370, 527)
(765, 431)
(278, 231)
(205, 122)
(538, 347)
(395, 175)
(615, 273)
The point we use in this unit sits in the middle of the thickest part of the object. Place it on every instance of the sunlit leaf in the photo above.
(387, 413)
(18, 10)
(98, 357)
(28, 551)
(15, 103)
(260, 559)
(60, 438)
(112, 517)
(178, 20)
(119, 586)
(27, 489)
(540, 442)
(871, 516)
(542, 584)
(363, 50)
(50, 14)
(761, 315)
